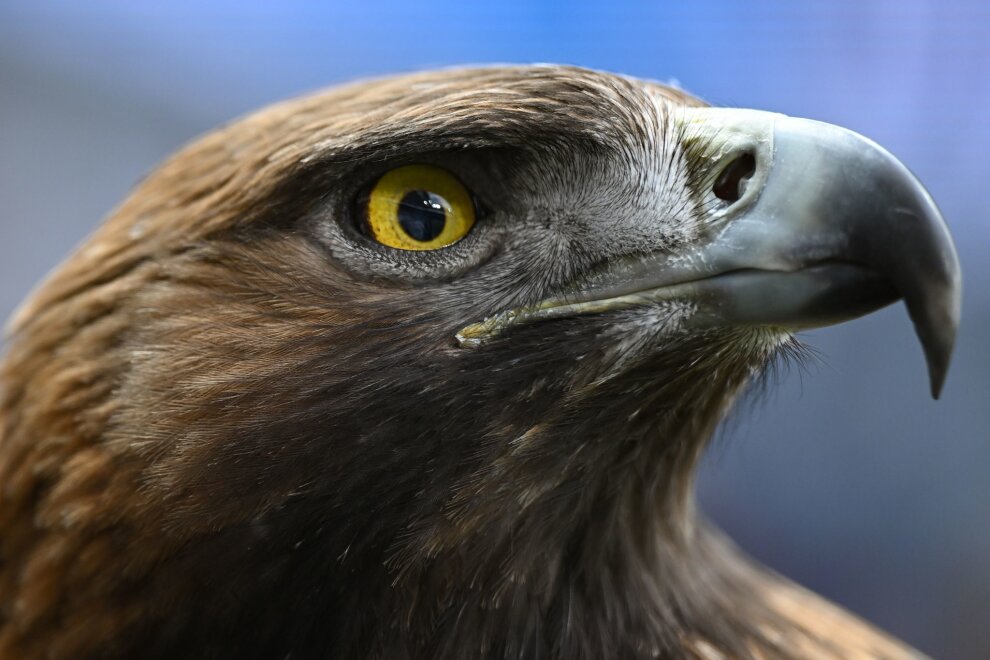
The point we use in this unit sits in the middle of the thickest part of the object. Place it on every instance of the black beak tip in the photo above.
(936, 330)
(937, 356)
(936, 375)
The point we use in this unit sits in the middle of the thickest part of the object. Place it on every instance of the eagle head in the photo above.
(421, 368)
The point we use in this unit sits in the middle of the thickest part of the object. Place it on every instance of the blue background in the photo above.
(848, 479)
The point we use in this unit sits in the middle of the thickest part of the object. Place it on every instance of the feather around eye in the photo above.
(418, 207)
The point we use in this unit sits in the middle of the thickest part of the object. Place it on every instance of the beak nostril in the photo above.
(731, 183)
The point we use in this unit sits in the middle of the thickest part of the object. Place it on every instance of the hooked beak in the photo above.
(820, 225)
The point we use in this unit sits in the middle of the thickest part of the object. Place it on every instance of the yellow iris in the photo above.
(419, 207)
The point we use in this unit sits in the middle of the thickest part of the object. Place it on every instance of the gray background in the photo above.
(848, 478)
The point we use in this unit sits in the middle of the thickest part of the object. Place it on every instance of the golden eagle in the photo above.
(422, 367)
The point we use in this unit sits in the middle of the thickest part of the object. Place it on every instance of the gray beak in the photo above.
(840, 224)
(812, 225)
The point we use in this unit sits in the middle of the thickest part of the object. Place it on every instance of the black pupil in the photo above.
(422, 215)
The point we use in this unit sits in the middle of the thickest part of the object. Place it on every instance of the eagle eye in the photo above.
(418, 207)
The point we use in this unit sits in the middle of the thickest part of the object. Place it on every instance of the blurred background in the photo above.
(848, 478)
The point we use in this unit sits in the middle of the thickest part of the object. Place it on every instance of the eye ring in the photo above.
(418, 207)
